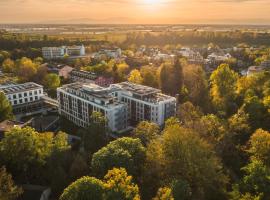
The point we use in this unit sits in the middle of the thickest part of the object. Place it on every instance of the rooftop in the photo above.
(14, 88)
(137, 89)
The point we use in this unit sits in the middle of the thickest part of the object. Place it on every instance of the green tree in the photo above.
(52, 81)
(197, 86)
(85, 188)
(223, 88)
(146, 131)
(123, 152)
(25, 152)
(98, 130)
(118, 185)
(183, 155)
(8, 190)
(5, 108)
(256, 180)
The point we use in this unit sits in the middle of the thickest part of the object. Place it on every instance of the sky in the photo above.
(136, 11)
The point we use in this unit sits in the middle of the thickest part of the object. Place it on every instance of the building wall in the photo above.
(79, 111)
(25, 96)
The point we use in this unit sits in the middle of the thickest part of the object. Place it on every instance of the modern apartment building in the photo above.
(23, 97)
(145, 103)
(60, 52)
(123, 104)
(77, 102)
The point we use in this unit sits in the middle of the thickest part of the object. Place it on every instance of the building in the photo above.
(108, 53)
(254, 70)
(145, 103)
(60, 52)
(19, 94)
(123, 104)
(90, 77)
(77, 102)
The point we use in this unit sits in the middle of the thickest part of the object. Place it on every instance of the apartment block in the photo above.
(124, 104)
(77, 102)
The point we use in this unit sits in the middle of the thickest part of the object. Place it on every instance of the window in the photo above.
(15, 102)
(35, 92)
(31, 98)
(25, 100)
(20, 95)
(25, 94)
(14, 96)
(20, 101)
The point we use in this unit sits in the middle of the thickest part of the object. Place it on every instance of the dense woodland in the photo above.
(216, 147)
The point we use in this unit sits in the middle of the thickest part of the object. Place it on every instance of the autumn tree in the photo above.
(8, 190)
(164, 193)
(135, 77)
(8, 66)
(118, 185)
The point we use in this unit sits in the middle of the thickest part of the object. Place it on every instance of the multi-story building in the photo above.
(123, 104)
(23, 97)
(109, 53)
(90, 77)
(60, 52)
(77, 102)
(145, 103)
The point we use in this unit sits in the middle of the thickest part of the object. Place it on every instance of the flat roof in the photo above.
(137, 89)
(15, 88)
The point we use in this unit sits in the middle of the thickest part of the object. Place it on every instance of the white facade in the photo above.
(122, 104)
(77, 102)
(145, 103)
(19, 94)
(60, 52)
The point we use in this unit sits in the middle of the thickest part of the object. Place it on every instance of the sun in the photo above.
(152, 2)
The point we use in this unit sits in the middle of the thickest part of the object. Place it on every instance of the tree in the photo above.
(135, 77)
(197, 86)
(98, 130)
(8, 190)
(86, 188)
(223, 88)
(25, 152)
(8, 66)
(52, 81)
(260, 146)
(181, 190)
(118, 185)
(146, 131)
(182, 155)
(189, 114)
(123, 152)
(149, 75)
(164, 193)
(178, 76)
(5, 108)
(27, 69)
(256, 180)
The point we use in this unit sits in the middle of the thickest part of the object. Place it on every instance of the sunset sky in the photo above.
(135, 11)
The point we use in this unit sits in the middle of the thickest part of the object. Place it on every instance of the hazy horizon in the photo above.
(135, 11)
